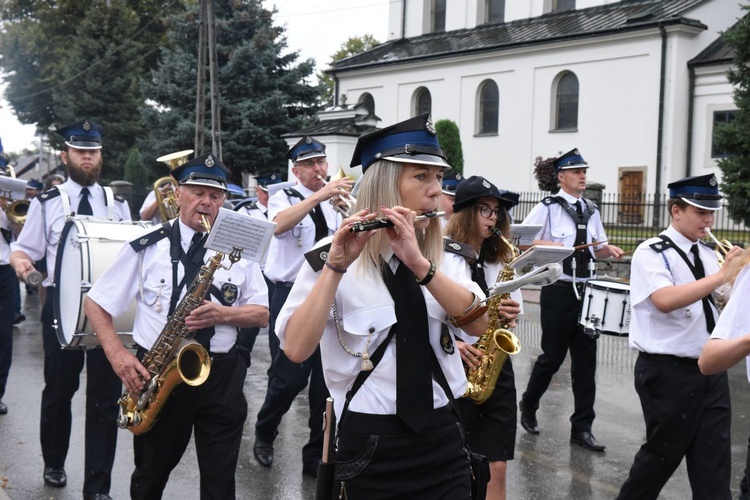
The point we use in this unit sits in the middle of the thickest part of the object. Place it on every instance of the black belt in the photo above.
(283, 284)
(218, 356)
(669, 358)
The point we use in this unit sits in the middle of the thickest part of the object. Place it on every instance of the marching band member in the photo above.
(687, 414)
(8, 293)
(568, 219)
(41, 233)
(491, 426)
(391, 293)
(302, 217)
(145, 270)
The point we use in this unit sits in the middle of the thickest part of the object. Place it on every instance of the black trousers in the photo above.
(378, 457)
(560, 334)
(491, 426)
(286, 380)
(8, 290)
(62, 369)
(688, 415)
(215, 411)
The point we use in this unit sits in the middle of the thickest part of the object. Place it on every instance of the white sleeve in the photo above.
(115, 289)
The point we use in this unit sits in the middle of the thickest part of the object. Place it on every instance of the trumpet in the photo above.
(164, 187)
(722, 246)
(346, 198)
(382, 222)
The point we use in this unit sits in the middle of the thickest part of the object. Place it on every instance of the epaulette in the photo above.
(52, 192)
(317, 257)
(290, 192)
(661, 245)
(462, 249)
(549, 200)
(119, 198)
(149, 239)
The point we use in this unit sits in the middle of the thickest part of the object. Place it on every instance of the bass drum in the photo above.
(87, 248)
(606, 308)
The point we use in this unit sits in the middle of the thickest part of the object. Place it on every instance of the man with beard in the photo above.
(45, 222)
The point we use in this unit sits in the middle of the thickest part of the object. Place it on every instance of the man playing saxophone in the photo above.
(479, 209)
(156, 269)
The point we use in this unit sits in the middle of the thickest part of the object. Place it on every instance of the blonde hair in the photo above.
(378, 187)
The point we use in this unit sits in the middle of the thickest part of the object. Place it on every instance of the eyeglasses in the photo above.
(321, 162)
(487, 212)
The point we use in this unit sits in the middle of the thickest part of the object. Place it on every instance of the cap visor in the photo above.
(205, 183)
(449, 193)
(577, 165)
(703, 204)
(308, 156)
(84, 145)
(419, 159)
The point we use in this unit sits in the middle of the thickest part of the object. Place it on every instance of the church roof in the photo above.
(626, 15)
(718, 52)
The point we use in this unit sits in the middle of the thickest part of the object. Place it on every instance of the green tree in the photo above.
(67, 60)
(450, 142)
(354, 45)
(135, 171)
(544, 171)
(735, 137)
(263, 91)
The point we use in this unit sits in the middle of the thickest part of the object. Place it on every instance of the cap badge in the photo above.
(209, 161)
(713, 181)
(143, 241)
(308, 140)
(429, 126)
(86, 126)
(485, 183)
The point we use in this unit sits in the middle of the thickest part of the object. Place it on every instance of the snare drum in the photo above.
(87, 248)
(606, 308)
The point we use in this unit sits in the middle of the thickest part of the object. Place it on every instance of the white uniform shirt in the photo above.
(735, 318)
(559, 227)
(4, 245)
(150, 200)
(287, 251)
(681, 332)
(365, 305)
(120, 283)
(45, 222)
(491, 272)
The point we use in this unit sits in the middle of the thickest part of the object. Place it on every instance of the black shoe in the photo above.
(55, 477)
(587, 440)
(20, 318)
(528, 418)
(3, 408)
(97, 496)
(263, 451)
(310, 471)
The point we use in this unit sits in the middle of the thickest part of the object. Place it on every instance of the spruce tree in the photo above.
(734, 137)
(449, 138)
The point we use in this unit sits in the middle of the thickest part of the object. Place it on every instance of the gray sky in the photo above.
(315, 28)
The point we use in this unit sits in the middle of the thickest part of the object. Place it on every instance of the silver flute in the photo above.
(382, 222)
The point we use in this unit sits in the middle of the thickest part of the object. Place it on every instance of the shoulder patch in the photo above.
(52, 192)
(661, 245)
(549, 200)
(149, 239)
(317, 257)
(459, 248)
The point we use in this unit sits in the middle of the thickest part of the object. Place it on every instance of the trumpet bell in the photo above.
(176, 159)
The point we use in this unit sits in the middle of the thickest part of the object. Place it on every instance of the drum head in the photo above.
(614, 286)
(67, 296)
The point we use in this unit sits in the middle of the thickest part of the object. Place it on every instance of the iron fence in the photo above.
(629, 221)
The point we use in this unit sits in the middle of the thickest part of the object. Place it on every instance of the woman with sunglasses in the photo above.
(479, 209)
(377, 307)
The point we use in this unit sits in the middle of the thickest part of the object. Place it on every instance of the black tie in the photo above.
(700, 272)
(579, 210)
(413, 369)
(84, 207)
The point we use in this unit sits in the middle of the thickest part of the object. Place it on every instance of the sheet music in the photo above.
(540, 255)
(524, 234)
(236, 230)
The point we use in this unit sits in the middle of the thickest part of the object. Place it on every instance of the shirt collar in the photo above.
(681, 241)
(568, 197)
(186, 234)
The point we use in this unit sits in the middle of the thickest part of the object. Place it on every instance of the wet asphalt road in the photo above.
(546, 466)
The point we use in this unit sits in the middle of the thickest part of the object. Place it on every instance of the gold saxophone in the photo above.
(497, 343)
(175, 357)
